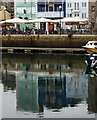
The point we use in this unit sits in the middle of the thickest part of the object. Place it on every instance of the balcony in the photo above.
(76, 11)
(50, 14)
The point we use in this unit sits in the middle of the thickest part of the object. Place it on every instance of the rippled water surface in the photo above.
(48, 86)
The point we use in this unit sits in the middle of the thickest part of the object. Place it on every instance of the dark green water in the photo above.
(47, 85)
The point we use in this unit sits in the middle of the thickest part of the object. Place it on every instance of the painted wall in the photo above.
(43, 7)
(25, 9)
(78, 8)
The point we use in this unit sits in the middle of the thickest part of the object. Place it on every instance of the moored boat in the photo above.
(91, 60)
(91, 47)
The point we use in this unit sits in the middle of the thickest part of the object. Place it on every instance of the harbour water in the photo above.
(47, 86)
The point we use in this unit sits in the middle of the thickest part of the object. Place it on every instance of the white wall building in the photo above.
(77, 8)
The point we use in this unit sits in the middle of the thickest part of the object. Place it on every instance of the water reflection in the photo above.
(47, 82)
(92, 89)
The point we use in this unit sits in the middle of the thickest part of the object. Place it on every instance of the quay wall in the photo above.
(50, 41)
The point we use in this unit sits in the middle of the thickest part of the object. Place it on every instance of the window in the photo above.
(25, 1)
(42, 9)
(84, 15)
(84, 4)
(26, 18)
(76, 5)
(69, 5)
(51, 7)
(20, 17)
(76, 15)
(57, 8)
(95, 43)
(24, 11)
(92, 8)
(68, 15)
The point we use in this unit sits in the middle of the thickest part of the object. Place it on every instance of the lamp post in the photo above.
(60, 8)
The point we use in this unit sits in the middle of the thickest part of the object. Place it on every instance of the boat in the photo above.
(91, 47)
(91, 71)
(91, 59)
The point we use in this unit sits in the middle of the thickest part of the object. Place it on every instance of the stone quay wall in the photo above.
(45, 41)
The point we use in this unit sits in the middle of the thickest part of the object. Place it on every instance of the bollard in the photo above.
(70, 34)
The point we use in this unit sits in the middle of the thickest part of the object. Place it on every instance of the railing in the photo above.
(50, 14)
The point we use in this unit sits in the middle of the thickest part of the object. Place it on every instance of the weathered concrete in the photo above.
(46, 41)
(45, 50)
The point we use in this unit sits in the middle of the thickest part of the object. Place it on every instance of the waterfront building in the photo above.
(92, 94)
(55, 9)
(34, 91)
(4, 14)
(27, 92)
(25, 9)
(95, 17)
(76, 87)
(77, 8)
(9, 5)
(92, 14)
(51, 9)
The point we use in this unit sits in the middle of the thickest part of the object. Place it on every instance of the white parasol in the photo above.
(39, 20)
(14, 20)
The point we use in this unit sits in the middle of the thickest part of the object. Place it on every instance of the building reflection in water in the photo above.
(51, 92)
(92, 89)
(51, 87)
(8, 79)
(34, 91)
(26, 93)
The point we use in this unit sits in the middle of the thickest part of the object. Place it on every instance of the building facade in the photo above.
(4, 14)
(77, 8)
(92, 14)
(9, 5)
(95, 28)
(25, 9)
(51, 8)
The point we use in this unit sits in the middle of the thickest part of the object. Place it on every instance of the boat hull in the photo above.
(90, 58)
(91, 47)
(91, 50)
